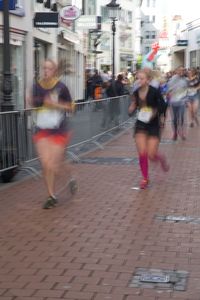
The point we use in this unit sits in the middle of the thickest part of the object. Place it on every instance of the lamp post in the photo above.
(7, 104)
(113, 13)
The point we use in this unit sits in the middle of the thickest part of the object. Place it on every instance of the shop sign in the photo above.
(87, 22)
(11, 4)
(46, 19)
(70, 13)
(182, 42)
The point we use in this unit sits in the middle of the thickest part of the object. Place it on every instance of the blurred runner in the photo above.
(177, 92)
(52, 99)
(193, 96)
(151, 106)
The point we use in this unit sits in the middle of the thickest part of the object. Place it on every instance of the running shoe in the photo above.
(144, 183)
(55, 200)
(49, 203)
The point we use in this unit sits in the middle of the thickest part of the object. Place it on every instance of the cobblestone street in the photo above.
(110, 240)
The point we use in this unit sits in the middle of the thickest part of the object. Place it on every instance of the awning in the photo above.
(178, 49)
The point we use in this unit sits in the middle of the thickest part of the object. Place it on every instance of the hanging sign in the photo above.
(12, 4)
(46, 19)
(70, 13)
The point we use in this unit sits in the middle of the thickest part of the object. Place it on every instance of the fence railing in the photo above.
(91, 119)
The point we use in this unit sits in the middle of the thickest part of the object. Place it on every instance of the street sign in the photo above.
(86, 22)
(12, 4)
(46, 19)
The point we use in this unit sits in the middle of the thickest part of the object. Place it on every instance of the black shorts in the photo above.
(148, 129)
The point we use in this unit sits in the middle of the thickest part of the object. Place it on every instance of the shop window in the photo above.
(193, 59)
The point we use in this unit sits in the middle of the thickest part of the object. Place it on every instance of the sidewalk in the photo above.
(109, 241)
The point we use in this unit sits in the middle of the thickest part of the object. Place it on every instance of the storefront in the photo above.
(71, 62)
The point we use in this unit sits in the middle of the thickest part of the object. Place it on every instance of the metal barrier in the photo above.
(90, 120)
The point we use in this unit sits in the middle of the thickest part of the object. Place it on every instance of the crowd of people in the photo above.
(153, 95)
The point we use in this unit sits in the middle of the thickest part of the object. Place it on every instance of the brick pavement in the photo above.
(90, 246)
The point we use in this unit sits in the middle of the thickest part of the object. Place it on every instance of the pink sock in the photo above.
(143, 160)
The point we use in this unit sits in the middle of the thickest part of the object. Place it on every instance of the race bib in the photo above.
(145, 114)
(49, 118)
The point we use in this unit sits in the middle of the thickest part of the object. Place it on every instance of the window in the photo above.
(153, 34)
(153, 19)
(147, 19)
(104, 13)
(19, 4)
(129, 17)
(91, 7)
(154, 3)
(147, 49)
(147, 34)
(148, 3)
(193, 59)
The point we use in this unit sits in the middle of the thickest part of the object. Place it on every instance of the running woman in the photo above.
(151, 106)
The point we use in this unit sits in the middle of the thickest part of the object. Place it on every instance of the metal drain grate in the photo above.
(109, 160)
(159, 279)
(178, 219)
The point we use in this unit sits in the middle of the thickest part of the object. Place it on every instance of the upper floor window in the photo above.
(147, 34)
(153, 34)
(130, 18)
(18, 4)
(104, 13)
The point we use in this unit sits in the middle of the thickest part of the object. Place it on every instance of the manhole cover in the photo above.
(159, 279)
(154, 278)
(109, 160)
(177, 219)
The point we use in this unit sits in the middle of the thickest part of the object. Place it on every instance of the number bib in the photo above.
(145, 114)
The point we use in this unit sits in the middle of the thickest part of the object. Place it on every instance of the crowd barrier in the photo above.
(90, 120)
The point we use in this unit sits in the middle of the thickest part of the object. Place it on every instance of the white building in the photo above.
(30, 46)
(125, 54)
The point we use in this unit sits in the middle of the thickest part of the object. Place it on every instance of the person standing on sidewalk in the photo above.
(193, 96)
(52, 100)
(177, 92)
(151, 106)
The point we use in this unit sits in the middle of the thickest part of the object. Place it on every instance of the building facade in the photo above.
(125, 47)
(31, 45)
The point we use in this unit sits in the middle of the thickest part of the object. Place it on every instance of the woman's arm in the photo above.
(132, 106)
